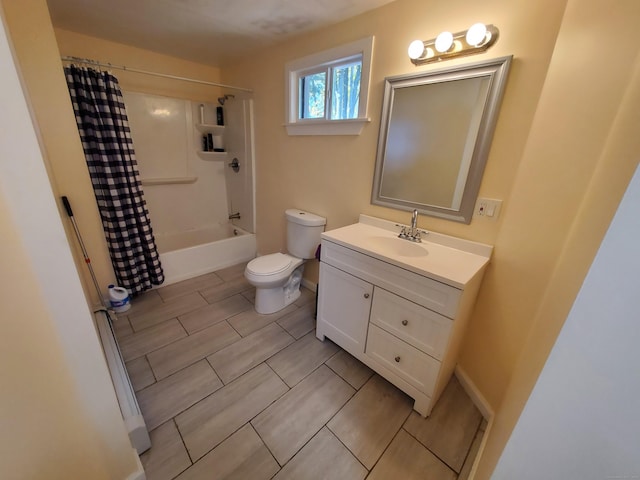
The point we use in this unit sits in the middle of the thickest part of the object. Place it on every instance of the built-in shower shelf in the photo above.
(215, 135)
(213, 155)
(168, 180)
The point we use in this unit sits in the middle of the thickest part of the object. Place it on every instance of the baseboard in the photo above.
(485, 409)
(131, 413)
(139, 473)
(310, 285)
(474, 393)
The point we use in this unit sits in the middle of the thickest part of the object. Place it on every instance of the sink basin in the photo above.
(397, 246)
(449, 260)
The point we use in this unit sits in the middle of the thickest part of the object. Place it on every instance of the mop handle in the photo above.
(67, 207)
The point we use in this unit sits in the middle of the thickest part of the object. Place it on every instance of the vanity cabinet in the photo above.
(403, 324)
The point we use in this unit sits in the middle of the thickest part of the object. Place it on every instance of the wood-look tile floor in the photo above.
(229, 393)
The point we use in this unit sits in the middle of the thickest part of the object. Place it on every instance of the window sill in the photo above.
(328, 127)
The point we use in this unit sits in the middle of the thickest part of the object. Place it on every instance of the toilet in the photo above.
(277, 276)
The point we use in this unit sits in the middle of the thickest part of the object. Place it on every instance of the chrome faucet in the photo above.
(412, 233)
(414, 222)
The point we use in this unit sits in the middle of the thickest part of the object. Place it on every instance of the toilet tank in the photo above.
(303, 232)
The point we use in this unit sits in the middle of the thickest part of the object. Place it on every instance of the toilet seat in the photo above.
(269, 264)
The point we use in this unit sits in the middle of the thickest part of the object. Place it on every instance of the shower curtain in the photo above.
(108, 148)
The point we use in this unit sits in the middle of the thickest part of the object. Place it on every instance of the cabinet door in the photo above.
(344, 302)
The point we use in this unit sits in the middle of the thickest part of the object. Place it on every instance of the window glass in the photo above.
(345, 91)
(312, 95)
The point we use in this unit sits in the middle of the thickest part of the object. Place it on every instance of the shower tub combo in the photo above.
(196, 252)
(201, 202)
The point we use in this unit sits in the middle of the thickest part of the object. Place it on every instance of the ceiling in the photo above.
(213, 32)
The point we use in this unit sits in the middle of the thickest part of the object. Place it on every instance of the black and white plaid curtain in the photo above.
(108, 148)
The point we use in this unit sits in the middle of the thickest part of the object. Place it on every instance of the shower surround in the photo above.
(190, 194)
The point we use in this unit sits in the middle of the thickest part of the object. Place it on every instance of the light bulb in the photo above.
(444, 41)
(476, 34)
(416, 49)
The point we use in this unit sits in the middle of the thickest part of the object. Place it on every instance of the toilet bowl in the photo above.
(277, 280)
(277, 276)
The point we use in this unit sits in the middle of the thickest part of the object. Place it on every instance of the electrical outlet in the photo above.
(488, 207)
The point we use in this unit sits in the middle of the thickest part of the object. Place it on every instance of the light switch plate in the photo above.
(488, 207)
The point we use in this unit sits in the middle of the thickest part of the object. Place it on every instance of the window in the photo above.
(337, 85)
(327, 92)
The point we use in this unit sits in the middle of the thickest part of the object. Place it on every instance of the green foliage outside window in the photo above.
(312, 90)
(345, 92)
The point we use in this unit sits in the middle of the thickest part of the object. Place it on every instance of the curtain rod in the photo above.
(145, 72)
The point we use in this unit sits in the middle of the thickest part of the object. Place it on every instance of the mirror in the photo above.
(435, 133)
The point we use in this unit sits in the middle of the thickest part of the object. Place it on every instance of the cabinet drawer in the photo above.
(424, 291)
(419, 326)
(409, 363)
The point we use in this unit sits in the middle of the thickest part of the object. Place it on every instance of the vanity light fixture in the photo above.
(477, 39)
(444, 42)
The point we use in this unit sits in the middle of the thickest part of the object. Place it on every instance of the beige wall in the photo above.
(550, 159)
(332, 176)
(78, 45)
(31, 32)
(545, 175)
(59, 414)
(36, 46)
(74, 44)
(46, 432)
(585, 134)
(165, 202)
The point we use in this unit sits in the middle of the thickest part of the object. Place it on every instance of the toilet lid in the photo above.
(269, 264)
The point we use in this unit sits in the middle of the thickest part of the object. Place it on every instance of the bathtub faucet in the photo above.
(233, 216)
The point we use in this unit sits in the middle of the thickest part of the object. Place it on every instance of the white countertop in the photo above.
(447, 259)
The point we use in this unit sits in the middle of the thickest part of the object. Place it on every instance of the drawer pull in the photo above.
(366, 295)
(397, 359)
(405, 322)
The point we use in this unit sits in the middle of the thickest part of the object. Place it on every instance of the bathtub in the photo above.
(196, 252)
